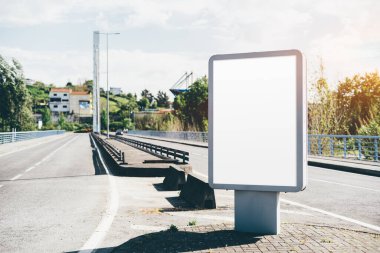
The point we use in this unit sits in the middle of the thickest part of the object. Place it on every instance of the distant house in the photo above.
(59, 100)
(77, 103)
(80, 103)
(115, 91)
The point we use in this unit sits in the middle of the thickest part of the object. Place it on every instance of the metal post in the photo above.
(95, 85)
(376, 150)
(360, 148)
(108, 95)
(309, 145)
(345, 147)
(319, 146)
(332, 146)
(257, 212)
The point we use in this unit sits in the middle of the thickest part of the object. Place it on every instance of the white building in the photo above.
(77, 103)
(59, 100)
(115, 91)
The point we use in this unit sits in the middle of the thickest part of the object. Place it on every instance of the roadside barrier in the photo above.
(181, 157)
(198, 193)
(178, 135)
(14, 136)
(176, 177)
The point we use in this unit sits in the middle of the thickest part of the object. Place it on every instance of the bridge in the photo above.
(68, 192)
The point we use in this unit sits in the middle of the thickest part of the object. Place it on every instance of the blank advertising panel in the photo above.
(257, 119)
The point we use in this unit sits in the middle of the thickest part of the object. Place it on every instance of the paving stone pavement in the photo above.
(222, 238)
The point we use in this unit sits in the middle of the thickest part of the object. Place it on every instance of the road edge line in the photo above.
(338, 216)
(107, 218)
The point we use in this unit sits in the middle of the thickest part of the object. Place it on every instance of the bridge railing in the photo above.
(156, 149)
(360, 147)
(180, 135)
(8, 137)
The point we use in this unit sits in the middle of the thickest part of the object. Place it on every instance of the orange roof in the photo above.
(79, 93)
(60, 90)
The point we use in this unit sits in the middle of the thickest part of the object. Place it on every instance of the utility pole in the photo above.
(95, 86)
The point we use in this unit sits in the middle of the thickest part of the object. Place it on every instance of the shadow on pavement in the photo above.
(99, 169)
(170, 241)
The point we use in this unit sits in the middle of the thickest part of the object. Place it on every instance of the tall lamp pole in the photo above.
(108, 91)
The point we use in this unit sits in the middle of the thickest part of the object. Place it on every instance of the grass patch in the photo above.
(192, 223)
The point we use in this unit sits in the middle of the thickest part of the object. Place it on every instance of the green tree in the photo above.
(163, 99)
(103, 119)
(61, 120)
(46, 116)
(143, 103)
(192, 106)
(128, 124)
(359, 100)
(153, 105)
(324, 114)
(147, 94)
(15, 101)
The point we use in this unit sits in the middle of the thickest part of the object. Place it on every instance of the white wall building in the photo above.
(77, 103)
(59, 100)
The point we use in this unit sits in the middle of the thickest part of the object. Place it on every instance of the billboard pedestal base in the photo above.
(257, 212)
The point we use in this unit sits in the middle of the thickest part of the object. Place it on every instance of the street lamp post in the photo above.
(108, 91)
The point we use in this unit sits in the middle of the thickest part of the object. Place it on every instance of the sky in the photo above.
(161, 40)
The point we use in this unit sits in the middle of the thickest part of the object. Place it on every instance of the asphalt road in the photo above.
(51, 199)
(54, 198)
(351, 195)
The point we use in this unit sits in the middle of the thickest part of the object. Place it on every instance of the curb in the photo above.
(119, 169)
(346, 168)
(198, 193)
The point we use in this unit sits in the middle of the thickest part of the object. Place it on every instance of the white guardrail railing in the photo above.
(9, 137)
(179, 135)
(357, 147)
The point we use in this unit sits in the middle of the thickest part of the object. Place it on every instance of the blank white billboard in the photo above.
(257, 121)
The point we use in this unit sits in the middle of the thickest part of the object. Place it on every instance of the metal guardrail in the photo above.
(9, 137)
(360, 147)
(180, 135)
(160, 150)
(111, 149)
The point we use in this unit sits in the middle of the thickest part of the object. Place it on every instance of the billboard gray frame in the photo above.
(301, 118)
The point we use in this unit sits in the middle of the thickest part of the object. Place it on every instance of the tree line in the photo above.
(352, 108)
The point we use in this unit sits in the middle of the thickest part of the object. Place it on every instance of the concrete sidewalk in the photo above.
(185, 142)
(354, 166)
(222, 238)
(151, 219)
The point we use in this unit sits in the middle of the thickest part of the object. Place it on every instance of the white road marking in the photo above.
(295, 212)
(195, 154)
(16, 177)
(367, 225)
(32, 146)
(55, 151)
(1, 185)
(113, 205)
(342, 184)
(44, 159)
(148, 228)
(29, 169)
(198, 216)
